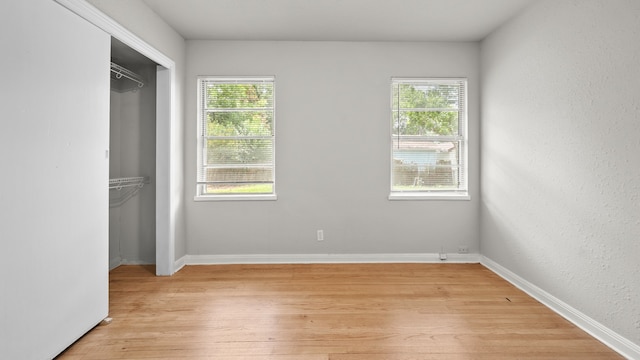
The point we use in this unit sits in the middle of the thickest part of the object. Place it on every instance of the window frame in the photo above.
(462, 136)
(201, 140)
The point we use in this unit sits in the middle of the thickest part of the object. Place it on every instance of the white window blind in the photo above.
(236, 136)
(429, 138)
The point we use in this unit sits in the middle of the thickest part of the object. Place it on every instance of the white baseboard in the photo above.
(136, 262)
(323, 258)
(179, 264)
(114, 262)
(117, 261)
(607, 336)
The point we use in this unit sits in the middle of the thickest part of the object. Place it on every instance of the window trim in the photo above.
(200, 138)
(463, 126)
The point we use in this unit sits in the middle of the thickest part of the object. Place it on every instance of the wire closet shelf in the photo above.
(120, 72)
(125, 188)
(120, 183)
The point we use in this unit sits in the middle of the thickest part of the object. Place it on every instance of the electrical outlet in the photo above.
(463, 249)
(320, 235)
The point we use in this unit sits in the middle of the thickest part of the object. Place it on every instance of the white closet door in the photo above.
(54, 108)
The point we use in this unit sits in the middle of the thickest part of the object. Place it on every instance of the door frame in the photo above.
(166, 120)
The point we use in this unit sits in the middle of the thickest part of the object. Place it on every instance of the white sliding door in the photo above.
(54, 108)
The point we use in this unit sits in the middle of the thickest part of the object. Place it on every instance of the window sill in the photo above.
(237, 197)
(429, 196)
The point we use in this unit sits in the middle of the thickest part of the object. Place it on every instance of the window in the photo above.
(429, 141)
(236, 138)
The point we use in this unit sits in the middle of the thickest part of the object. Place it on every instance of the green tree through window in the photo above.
(428, 135)
(237, 136)
(426, 110)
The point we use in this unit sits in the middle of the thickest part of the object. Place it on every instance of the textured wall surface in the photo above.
(332, 151)
(560, 164)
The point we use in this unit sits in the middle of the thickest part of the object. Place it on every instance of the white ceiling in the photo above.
(337, 20)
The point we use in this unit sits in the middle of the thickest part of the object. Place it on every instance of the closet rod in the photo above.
(121, 72)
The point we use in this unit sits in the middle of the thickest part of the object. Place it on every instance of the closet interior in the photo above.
(132, 160)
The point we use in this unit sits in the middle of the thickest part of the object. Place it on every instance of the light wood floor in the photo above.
(329, 312)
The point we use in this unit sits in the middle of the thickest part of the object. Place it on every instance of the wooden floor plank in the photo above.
(329, 312)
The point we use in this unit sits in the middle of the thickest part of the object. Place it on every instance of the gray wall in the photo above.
(332, 151)
(560, 174)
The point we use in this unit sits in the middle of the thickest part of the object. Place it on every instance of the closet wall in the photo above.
(132, 146)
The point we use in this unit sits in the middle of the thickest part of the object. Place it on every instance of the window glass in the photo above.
(236, 136)
(428, 137)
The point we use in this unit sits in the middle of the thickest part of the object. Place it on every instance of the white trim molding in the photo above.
(136, 262)
(180, 263)
(115, 262)
(90, 13)
(324, 259)
(615, 341)
(428, 196)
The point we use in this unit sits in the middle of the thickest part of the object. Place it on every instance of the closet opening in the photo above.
(132, 157)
